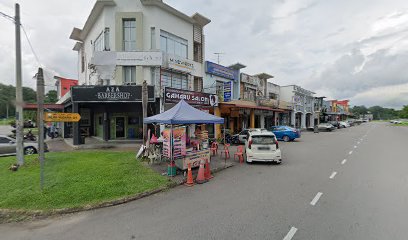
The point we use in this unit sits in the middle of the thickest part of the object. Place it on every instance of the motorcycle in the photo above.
(30, 136)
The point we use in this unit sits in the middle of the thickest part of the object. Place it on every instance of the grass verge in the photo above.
(75, 180)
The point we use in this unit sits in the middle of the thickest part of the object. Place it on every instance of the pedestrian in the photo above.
(52, 131)
(316, 129)
(45, 131)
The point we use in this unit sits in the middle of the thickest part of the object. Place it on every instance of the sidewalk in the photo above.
(218, 163)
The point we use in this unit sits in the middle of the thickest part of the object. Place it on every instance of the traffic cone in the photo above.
(190, 181)
(208, 175)
(200, 176)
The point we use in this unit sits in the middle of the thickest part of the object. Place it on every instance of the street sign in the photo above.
(61, 117)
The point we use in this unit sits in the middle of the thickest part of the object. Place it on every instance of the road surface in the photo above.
(347, 184)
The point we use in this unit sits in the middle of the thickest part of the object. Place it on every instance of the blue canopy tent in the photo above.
(182, 113)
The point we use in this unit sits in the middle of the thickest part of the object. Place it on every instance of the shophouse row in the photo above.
(124, 43)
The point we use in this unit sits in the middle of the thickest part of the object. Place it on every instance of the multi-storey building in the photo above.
(122, 44)
(302, 101)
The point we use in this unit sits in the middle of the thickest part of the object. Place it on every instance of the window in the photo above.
(101, 43)
(129, 35)
(129, 74)
(172, 44)
(263, 139)
(175, 80)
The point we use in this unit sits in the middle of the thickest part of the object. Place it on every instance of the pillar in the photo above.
(252, 119)
(293, 119)
(217, 127)
(303, 121)
(76, 129)
(232, 125)
(262, 120)
(106, 126)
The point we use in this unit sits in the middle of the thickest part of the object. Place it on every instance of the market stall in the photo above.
(178, 147)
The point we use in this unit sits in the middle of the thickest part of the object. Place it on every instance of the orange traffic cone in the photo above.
(190, 181)
(200, 176)
(208, 175)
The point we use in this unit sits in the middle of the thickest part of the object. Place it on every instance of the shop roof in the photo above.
(183, 113)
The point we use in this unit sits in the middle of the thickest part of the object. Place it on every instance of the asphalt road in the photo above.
(347, 184)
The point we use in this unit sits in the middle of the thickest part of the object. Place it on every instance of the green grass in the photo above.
(75, 179)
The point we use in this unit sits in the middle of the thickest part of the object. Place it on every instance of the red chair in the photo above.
(226, 151)
(214, 148)
(239, 154)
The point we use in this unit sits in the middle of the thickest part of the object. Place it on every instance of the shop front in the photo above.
(108, 112)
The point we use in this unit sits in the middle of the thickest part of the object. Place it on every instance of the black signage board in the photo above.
(111, 93)
(173, 95)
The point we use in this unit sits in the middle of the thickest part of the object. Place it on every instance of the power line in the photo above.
(31, 46)
(8, 17)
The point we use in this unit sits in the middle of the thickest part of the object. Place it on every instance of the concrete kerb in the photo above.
(11, 215)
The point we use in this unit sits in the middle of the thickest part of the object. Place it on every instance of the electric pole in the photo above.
(218, 56)
(19, 92)
(144, 107)
(40, 123)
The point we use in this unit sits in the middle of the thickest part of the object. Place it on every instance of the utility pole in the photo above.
(218, 56)
(19, 91)
(40, 123)
(144, 107)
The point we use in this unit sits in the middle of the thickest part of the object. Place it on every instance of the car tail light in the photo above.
(277, 143)
(249, 144)
(294, 130)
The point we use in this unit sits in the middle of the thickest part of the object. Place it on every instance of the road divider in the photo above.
(316, 198)
(290, 234)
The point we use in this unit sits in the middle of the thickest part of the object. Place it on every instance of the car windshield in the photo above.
(263, 139)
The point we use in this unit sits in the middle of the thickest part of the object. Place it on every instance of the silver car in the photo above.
(8, 146)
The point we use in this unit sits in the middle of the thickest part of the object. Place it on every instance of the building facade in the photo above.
(302, 102)
(123, 44)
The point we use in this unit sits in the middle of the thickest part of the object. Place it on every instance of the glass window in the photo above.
(129, 35)
(263, 139)
(174, 45)
(163, 43)
(129, 74)
(4, 140)
(170, 46)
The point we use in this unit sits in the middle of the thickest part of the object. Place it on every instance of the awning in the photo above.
(232, 105)
(34, 106)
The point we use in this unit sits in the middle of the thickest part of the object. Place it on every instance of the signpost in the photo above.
(61, 117)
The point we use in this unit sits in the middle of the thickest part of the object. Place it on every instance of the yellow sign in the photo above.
(61, 117)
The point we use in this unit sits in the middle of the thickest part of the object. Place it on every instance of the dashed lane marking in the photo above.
(343, 162)
(355, 146)
(351, 152)
(316, 198)
(333, 175)
(290, 234)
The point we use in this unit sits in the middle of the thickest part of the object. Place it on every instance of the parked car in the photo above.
(326, 127)
(396, 121)
(344, 124)
(8, 146)
(335, 123)
(352, 122)
(242, 136)
(286, 133)
(262, 146)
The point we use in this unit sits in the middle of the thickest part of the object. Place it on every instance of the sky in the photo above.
(347, 49)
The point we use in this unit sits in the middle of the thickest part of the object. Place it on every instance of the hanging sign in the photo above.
(61, 117)
(172, 95)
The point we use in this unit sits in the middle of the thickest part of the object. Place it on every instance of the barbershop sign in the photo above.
(112, 93)
(172, 95)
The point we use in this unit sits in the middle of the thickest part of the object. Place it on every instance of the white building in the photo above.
(302, 101)
(127, 42)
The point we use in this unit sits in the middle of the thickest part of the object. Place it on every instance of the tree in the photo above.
(404, 112)
(359, 110)
(51, 97)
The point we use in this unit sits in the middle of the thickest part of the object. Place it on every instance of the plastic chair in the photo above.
(239, 154)
(226, 151)
(214, 148)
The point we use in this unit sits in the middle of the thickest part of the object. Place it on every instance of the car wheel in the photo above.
(29, 151)
(286, 138)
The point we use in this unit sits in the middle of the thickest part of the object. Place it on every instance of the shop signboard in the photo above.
(173, 95)
(112, 93)
(139, 58)
(180, 64)
(227, 91)
(250, 79)
(221, 71)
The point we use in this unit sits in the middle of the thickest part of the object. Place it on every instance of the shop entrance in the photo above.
(120, 127)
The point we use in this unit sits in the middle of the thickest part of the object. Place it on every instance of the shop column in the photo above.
(252, 119)
(262, 120)
(106, 128)
(217, 127)
(76, 129)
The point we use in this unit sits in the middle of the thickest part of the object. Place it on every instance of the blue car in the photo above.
(285, 133)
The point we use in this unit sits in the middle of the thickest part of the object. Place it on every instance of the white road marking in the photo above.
(333, 175)
(358, 142)
(290, 234)
(355, 146)
(316, 198)
(351, 152)
(343, 162)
